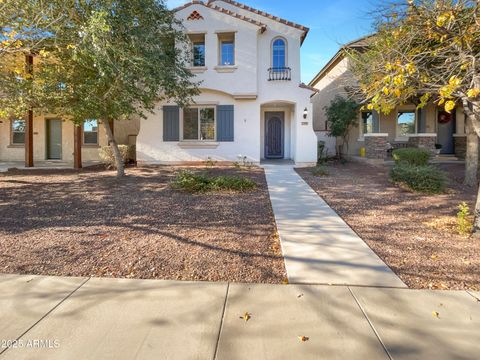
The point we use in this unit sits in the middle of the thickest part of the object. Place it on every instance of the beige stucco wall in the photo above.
(331, 85)
(10, 152)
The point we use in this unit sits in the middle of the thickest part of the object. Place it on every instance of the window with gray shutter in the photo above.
(225, 123)
(171, 123)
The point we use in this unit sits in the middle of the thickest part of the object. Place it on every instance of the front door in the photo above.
(54, 139)
(274, 135)
(445, 130)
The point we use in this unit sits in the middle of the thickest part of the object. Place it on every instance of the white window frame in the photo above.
(199, 107)
(83, 133)
(286, 50)
(221, 36)
(12, 133)
(192, 37)
(412, 109)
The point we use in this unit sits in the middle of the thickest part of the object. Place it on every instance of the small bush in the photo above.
(464, 224)
(412, 156)
(426, 179)
(320, 170)
(200, 183)
(106, 154)
(209, 163)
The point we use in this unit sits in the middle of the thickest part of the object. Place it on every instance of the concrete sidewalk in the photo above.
(83, 318)
(318, 246)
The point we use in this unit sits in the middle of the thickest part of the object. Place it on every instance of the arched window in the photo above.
(279, 54)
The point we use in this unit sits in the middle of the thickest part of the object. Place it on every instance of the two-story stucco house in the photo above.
(429, 127)
(252, 105)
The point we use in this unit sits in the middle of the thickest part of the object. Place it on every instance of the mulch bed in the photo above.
(414, 234)
(88, 223)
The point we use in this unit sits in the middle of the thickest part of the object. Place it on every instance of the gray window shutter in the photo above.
(171, 123)
(376, 122)
(225, 123)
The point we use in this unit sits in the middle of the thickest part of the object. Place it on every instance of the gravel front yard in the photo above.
(89, 223)
(414, 234)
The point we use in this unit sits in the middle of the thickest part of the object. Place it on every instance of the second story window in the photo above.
(227, 49)
(279, 54)
(198, 49)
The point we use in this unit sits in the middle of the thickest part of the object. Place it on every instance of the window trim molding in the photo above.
(192, 61)
(11, 143)
(286, 50)
(220, 42)
(198, 140)
(88, 145)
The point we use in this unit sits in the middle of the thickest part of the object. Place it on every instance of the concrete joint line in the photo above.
(221, 322)
(370, 323)
(472, 295)
(47, 313)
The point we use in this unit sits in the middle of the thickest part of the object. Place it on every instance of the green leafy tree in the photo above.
(96, 59)
(426, 51)
(342, 115)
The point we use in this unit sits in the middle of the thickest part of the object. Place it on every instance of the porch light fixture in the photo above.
(305, 113)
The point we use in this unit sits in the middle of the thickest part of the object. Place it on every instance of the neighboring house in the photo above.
(53, 138)
(406, 126)
(41, 137)
(252, 105)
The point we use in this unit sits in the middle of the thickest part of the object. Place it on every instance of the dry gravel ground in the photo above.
(84, 223)
(414, 234)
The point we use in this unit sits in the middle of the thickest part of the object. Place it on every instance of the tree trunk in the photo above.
(116, 152)
(476, 218)
(472, 111)
(471, 159)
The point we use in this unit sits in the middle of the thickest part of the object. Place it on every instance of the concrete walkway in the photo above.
(318, 246)
(92, 318)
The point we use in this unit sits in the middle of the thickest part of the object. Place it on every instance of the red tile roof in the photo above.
(267, 15)
(210, 5)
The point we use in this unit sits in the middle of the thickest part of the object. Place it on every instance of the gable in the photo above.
(196, 8)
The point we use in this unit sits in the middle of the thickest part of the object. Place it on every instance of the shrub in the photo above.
(412, 156)
(199, 183)
(426, 179)
(106, 154)
(320, 170)
(464, 224)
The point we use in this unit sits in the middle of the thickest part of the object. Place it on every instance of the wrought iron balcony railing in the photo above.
(279, 74)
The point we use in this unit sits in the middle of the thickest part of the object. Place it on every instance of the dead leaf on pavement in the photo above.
(247, 316)
(285, 281)
(303, 338)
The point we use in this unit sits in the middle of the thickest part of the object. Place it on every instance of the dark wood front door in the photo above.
(274, 135)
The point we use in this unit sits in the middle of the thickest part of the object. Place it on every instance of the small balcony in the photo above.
(279, 74)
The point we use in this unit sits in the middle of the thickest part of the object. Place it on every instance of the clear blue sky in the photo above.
(331, 23)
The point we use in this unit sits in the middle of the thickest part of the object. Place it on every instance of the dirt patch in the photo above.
(412, 233)
(89, 223)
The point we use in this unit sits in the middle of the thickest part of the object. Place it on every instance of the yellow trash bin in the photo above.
(362, 152)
